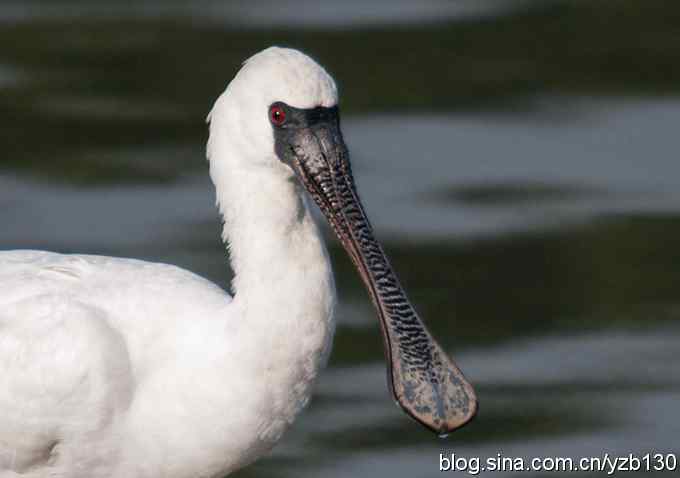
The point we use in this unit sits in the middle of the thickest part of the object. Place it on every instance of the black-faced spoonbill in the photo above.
(120, 368)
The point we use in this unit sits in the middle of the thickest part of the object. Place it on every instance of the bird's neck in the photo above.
(276, 250)
(284, 293)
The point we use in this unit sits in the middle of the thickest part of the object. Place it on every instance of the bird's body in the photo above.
(122, 368)
(118, 368)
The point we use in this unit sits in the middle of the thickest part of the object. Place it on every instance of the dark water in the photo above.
(520, 166)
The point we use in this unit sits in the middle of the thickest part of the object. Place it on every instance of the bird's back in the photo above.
(81, 339)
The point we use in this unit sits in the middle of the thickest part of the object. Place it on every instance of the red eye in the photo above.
(277, 115)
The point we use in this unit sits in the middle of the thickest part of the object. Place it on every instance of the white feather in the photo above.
(121, 368)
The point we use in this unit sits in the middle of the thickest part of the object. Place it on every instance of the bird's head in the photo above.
(281, 113)
(271, 94)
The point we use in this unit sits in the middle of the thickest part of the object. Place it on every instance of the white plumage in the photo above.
(121, 368)
(125, 369)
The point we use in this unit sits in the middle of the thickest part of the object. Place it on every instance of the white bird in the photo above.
(121, 368)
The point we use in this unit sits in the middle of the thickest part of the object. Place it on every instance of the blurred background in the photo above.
(518, 158)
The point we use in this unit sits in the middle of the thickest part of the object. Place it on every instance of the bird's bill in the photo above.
(424, 380)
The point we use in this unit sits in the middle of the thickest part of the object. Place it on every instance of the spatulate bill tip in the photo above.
(441, 427)
(437, 395)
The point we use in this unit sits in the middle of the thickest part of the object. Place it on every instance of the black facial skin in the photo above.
(299, 122)
(423, 379)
